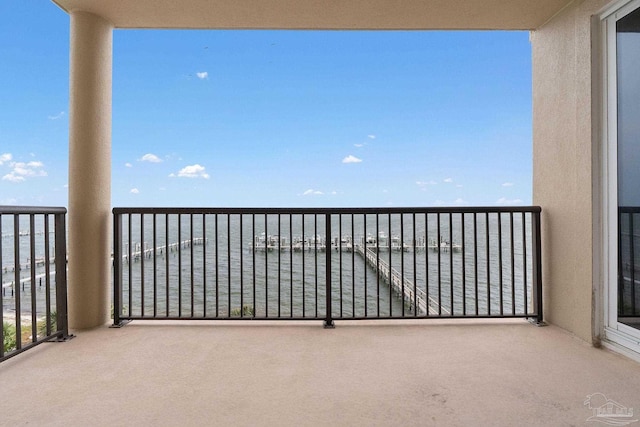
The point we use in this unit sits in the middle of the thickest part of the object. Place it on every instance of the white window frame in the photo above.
(614, 334)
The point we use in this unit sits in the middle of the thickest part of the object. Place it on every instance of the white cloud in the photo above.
(11, 177)
(351, 159)
(359, 145)
(6, 157)
(459, 185)
(151, 158)
(448, 180)
(505, 201)
(134, 191)
(312, 192)
(371, 136)
(193, 171)
(57, 116)
(508, 184)
(21, 171)
(129, 165)
(202, 75)
(460, 202)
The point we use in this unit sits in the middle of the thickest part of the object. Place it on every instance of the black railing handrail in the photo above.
(324, 211)
(36, 210)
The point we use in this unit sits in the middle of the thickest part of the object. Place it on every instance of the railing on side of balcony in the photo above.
(327, 264)
(629, 263)
(33, 265)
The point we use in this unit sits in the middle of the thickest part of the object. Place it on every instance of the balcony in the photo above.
(426, 365)
(443, 372)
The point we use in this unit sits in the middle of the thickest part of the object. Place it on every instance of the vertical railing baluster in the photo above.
(217, 251)
(488, 262)
(439, 250)
(16, 275)
(475, 262)
(142, 256)
(304, 294)
(464, 265)
(60, 255)
(537, 267)
(366, 253)
(451, 249)
(167, 251)
(279, 263)
(500, 263)
(129, 266)
(377, 249)
(525, 267)
(513, 265)
(290, 265)
(339, 242)
(632, 256)
(242, 266)
(328, 322)
(32, 266)
(266, 268)
(415, 272)
(204, 265)
(47, 273)
(402, 297)
(155, 265)
(190, 244)
(621, 278)
(315, 239)
(179, 265)
(253, 257)
(353, 266)
(229, 266)
(191, 275)
(426, 262)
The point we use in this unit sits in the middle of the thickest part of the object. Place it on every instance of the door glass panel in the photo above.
(628, 83)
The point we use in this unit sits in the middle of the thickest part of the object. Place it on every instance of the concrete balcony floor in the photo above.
(441, 373)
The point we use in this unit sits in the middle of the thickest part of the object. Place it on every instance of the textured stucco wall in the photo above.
(89, 171)
(562, 164)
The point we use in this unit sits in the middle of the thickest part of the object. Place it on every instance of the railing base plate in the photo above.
(120, 324)
(64, 338)
(328, 324)
(537, 322)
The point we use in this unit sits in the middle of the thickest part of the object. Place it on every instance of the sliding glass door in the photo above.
(621, 32)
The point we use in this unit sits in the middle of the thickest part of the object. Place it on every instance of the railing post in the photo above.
(328, 321)
(62, 314)
(537, 269)
(117, 269)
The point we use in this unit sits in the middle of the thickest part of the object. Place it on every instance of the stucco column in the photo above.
(89, 219)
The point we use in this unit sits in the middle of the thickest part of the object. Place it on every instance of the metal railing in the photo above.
(629, 262)
(34, 277)
(327, 264)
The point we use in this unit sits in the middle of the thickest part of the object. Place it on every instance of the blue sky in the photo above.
(275, 118)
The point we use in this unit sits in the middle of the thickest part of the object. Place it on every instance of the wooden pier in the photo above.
(11, 284)
(139, 252)
(401, 286)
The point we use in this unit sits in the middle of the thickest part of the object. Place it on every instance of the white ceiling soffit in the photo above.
(322, 14)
